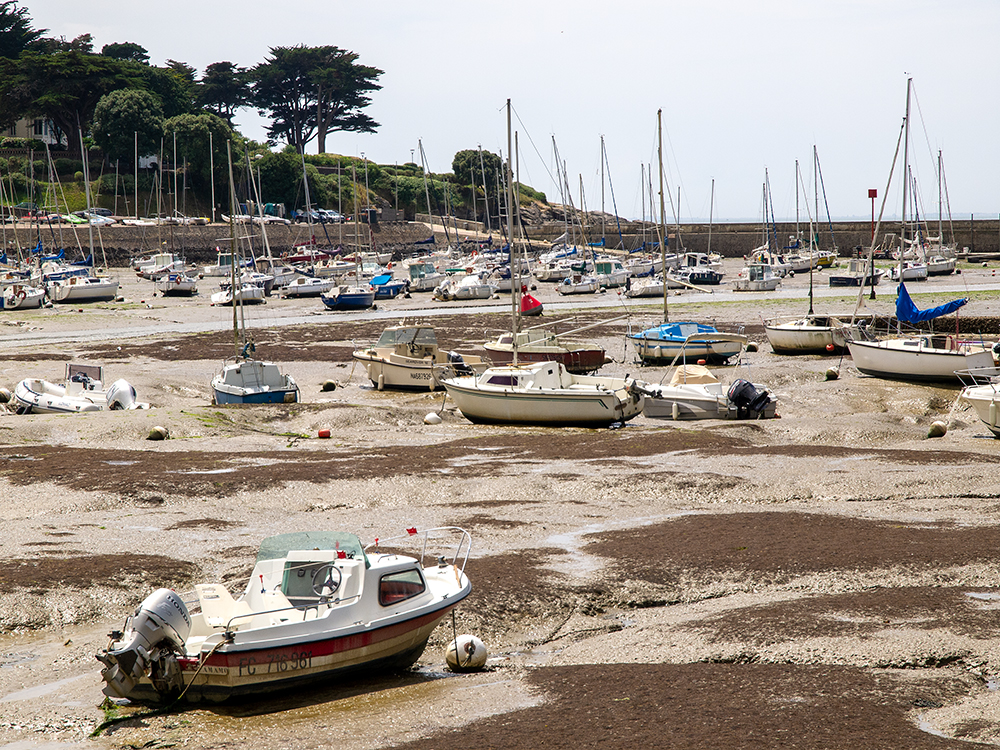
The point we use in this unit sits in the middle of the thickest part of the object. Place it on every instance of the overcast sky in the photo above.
(744, 87)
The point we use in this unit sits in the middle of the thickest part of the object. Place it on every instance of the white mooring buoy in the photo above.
(432, 418)
(938, 429)
(466, 654)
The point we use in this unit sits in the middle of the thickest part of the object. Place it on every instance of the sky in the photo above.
(746, 89)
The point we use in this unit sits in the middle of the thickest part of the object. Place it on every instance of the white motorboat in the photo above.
(176, 284)
(813, 334)
(909, 270)
(757, 277)
(83, 289)
(648, 286)
(695, 393)
(307, 286)
(246, 294)
(424, 277)
(318, 606)
(83, 391)
(22, 297)
(610, 273)
(408, 358)
(470, 286)
(544, 393)
(158, 264)
(578, 283)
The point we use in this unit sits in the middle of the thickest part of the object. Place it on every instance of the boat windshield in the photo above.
(276, 547)
(420, 336)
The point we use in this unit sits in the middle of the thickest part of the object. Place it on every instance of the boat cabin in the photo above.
(303, 576)
(409, 341)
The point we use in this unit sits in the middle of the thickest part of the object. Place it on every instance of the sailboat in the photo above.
(76, 287)
(812, 334)
(921, 356)
(539, 393)
(243, 378)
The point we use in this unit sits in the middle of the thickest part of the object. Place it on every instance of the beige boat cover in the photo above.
(698, 374)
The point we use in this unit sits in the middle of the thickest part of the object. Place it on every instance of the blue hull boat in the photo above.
(348, 298)
(686, 340)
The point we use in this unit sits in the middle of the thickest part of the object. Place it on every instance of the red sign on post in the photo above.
(872, 193)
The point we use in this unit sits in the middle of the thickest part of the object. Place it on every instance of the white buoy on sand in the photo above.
(329, 385)
(4, 396)
(432, 418)
(832, 373)
(938, 429)
(466, 654)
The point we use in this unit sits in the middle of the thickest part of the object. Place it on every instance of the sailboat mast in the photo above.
(711, 211)
(603, 157)
(940, 205)
(662, 226)
(514, 276)
(906, 179)
(232, 248)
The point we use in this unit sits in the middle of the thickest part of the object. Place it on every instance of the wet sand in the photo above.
(826, 579)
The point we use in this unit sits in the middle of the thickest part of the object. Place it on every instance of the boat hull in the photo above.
(555, 407)
(806, 336)
(349, 301)
(983, 398)
(236, 671)
(916, 361)
(653, 351)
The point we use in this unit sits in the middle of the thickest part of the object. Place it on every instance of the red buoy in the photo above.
(829, 347)
(701, 362)
(324, 433)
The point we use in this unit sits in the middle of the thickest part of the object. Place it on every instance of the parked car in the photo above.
(96, 211)
(301, 217)
(334, 217)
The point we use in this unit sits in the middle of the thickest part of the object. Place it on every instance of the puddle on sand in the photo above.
(581, 563)
(37, 691)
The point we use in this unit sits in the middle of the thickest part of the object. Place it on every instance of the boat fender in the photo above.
(466, 654)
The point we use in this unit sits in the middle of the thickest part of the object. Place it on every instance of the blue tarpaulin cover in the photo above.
(908, 312)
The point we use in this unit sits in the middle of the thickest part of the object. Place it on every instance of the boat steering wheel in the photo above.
(326, 578)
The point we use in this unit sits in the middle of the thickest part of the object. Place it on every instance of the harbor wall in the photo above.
(198, 244)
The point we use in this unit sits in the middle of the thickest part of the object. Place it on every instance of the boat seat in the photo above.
(218, 606)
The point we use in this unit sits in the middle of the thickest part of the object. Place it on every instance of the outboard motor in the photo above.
(749, 402)
(158, 628)
(458, 362)
(121, 395)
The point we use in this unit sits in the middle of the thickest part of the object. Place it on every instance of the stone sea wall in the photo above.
(198, 243)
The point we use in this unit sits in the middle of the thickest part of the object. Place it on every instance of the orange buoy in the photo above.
(829, 347)
(324, 433)
(701, 362)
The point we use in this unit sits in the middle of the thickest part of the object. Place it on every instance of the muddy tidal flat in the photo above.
(828, 579)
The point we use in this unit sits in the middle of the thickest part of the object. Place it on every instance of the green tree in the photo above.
(123, 116)
(195, 132)
(223, 89)
(469, 168)
(63, 87)
(16, 32)
(129, 51)
(176, 97)
(311, 91)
